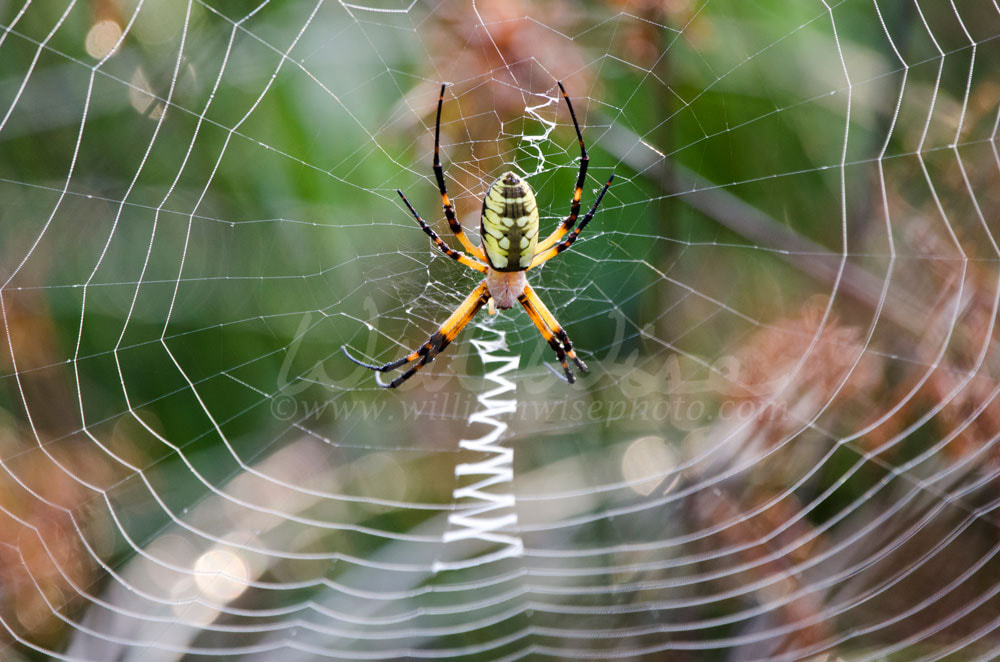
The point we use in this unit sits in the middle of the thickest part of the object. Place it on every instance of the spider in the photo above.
(510, 247)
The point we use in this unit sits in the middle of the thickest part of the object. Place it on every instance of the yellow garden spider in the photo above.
(510, 247)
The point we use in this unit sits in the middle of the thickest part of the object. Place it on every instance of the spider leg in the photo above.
(436, 343)
(551, 330)
(449, 210)
(447, 250)
(574, 209)
(543, 255)
(547, 334)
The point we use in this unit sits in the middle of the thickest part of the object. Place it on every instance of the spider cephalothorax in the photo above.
(510, 247)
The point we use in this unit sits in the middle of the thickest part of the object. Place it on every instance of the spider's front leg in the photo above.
(552, 331)
(435, 344)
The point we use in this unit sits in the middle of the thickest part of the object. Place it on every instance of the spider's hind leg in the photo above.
(449, 208)
(461, 258)
(543, 255)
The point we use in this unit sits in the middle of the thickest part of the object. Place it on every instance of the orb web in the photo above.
(786, 445)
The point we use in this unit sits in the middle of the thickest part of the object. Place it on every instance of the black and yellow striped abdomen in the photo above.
(509, 224)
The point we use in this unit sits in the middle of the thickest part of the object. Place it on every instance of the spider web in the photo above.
(786, 448)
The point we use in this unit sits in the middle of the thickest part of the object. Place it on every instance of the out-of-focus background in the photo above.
(786, 448)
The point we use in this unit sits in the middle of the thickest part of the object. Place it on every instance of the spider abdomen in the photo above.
(509, 225)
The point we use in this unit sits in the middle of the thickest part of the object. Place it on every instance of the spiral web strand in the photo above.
(787, 445)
